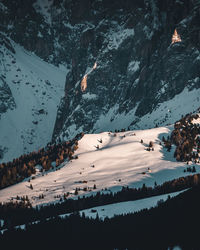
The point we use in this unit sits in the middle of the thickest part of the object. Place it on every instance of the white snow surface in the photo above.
(119, 161)
(89, 96)
(113, 120)
(133, 66)
(170, 111)
(163, 114)
(37, 88)
(116, 38)
(126, 207)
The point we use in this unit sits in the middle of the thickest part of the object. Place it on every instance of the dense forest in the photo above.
(24, 166)
(21, 212)
(174, 222)
(186, 137)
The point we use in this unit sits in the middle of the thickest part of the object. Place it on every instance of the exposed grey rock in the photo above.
(137, 67)
(135, 61)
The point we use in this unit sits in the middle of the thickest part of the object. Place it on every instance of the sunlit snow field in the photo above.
(121, 160)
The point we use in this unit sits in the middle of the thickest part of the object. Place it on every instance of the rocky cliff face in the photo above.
(139, 74)
(137, 67)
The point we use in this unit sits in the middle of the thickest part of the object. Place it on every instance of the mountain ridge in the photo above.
(139, 73)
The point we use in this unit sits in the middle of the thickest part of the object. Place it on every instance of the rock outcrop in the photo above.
(138, 68)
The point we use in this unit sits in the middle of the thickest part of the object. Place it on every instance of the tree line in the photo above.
(169, 224)
(24, 166)
(15, 213)
(186, 137)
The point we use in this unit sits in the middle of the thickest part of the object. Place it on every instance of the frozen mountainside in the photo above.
(164, 113)
(34, 89)
(140, 78)
(121, 160)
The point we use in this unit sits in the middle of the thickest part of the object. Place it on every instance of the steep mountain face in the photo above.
(137, 67)
(30, 91)
(141, 79)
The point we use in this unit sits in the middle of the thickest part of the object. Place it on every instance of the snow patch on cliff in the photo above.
(133, 66)
(89, 96)
(170, 111)
(114, 120)
(116, 38)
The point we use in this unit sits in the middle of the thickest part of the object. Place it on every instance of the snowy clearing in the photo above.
(121, 160)
(126, 207)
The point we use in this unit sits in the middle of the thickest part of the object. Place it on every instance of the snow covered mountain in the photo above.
(30, 91)
(122, 72)
(140, 79)
(108, 161)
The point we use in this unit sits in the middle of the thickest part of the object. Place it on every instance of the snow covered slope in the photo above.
(126, 207)
(164, 113)
(141, 79)
(120, 160)
(36, 88)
